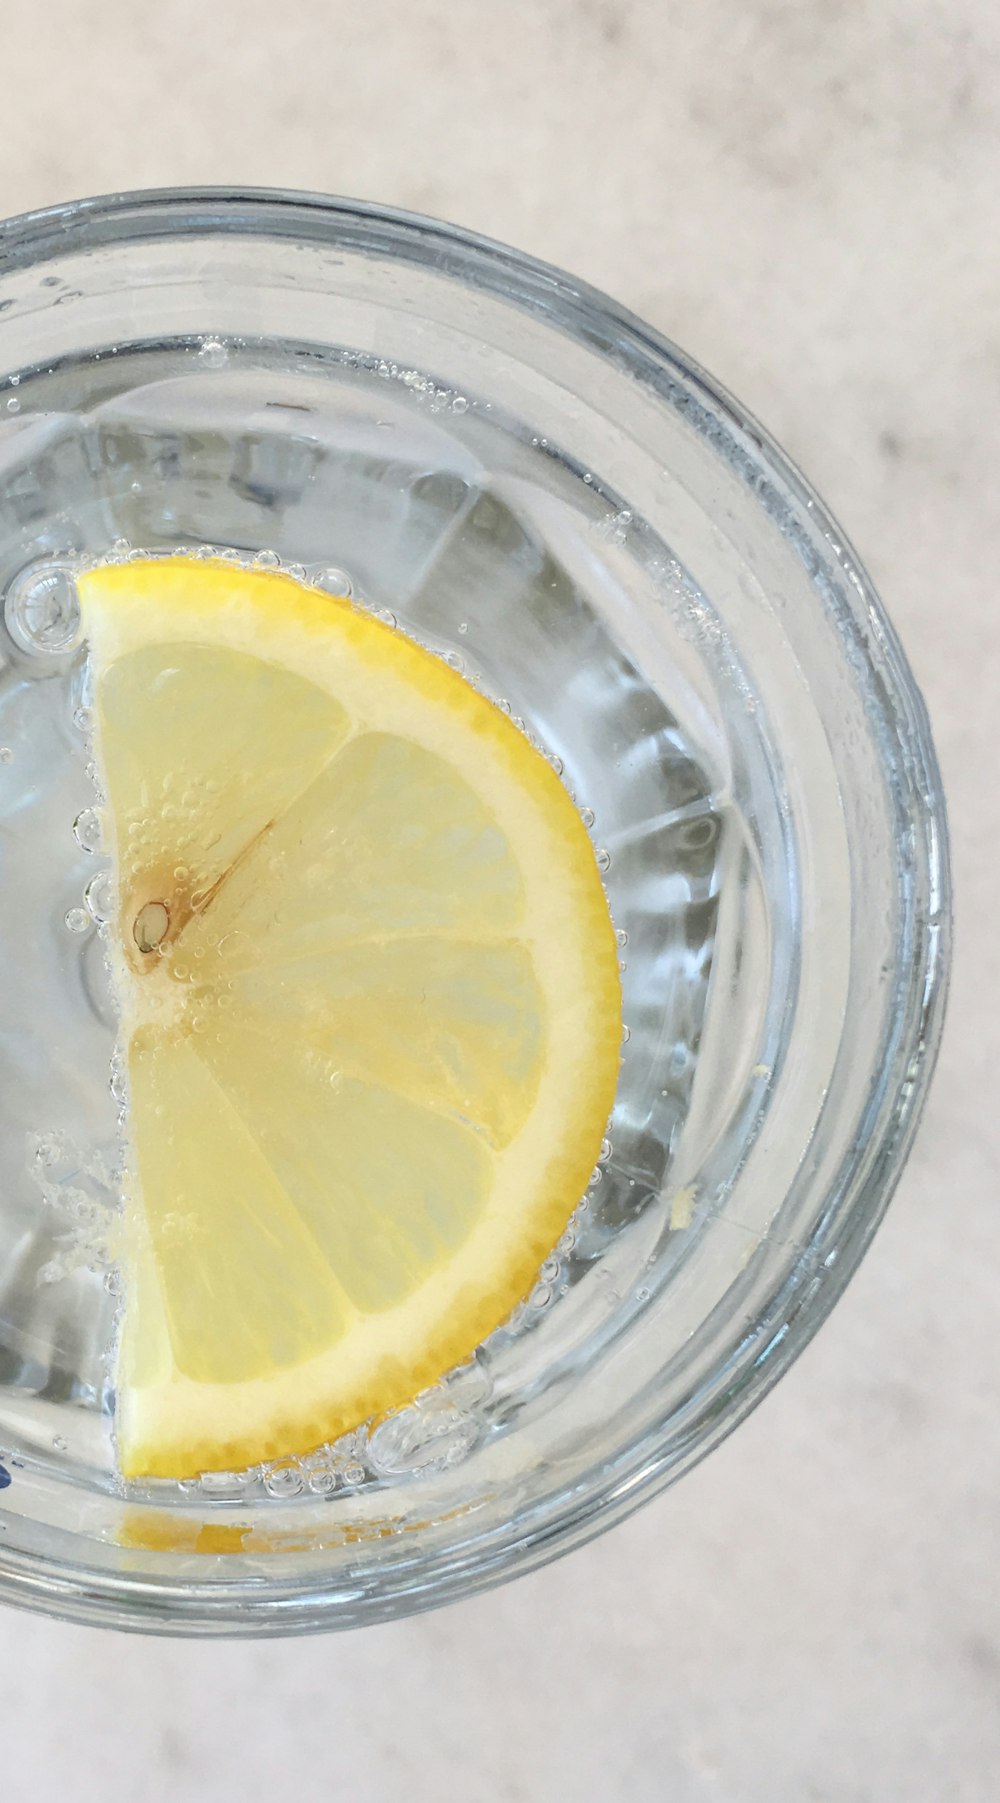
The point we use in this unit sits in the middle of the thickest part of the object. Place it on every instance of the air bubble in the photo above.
(387, 618)
(297, 571)
(459, 404)
(354, 1474)
(42, 610)
(456, 661)
(60, 1443)
(335, 582)
(322, 1482)
(88, 830)
(83, 718)
(222, 1483)
(284, 1480)
(588, 816)
(626, 1035)
(6, 754)
(267, 560)
(606, 1150)
(99, 896)
(213, 353)
(603, 860)
(463, 626)
(622, 937)
(568, 1241)
(77, 920)
(13, 405)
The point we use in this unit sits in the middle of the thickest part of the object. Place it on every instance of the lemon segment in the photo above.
(370, 1009)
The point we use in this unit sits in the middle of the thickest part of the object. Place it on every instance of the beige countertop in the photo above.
(804, 195)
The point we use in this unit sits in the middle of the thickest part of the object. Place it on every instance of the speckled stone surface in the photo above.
(804, 195)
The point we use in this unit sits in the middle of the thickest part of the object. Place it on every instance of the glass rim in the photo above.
(866, 1180)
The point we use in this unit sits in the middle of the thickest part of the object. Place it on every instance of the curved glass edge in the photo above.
(862, 1194)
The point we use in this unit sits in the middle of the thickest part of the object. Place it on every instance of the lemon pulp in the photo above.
(370, 1009)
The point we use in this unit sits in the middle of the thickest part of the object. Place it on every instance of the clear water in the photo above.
(493, 550)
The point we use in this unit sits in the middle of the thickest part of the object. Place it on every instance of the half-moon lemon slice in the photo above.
(370, 1009)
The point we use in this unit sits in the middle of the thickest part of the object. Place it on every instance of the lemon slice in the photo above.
(370, 1009)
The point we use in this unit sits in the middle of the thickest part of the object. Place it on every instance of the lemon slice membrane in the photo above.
(370, 1010)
